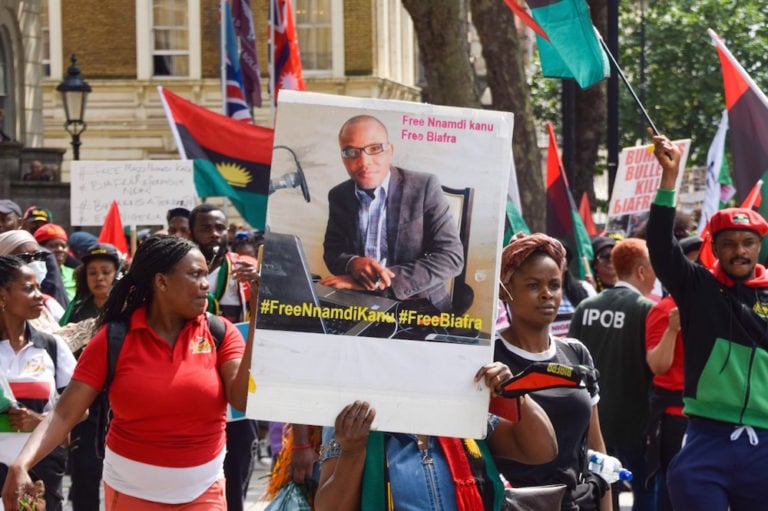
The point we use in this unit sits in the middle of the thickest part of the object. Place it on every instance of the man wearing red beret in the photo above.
(724, 320)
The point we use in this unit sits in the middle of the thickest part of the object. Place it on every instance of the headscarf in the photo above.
(50, 232)
(520, 248)
(11, 240)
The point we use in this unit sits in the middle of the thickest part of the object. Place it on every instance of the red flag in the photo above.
(286, 61)
(706, 256)
(754, 198)
(747, 120)
(559, 223)
(586, 215)
(112, 230)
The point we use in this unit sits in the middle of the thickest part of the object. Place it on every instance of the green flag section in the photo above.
(214, 180)
(513, 222)
(571, 49)
(583, 245)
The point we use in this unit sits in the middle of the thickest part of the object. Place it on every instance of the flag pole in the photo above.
(223, 56)
(271, 60)
(223, 73)
(626, 82)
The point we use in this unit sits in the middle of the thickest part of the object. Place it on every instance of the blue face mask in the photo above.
(40, 270)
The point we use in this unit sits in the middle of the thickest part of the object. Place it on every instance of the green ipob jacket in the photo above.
(725, 331)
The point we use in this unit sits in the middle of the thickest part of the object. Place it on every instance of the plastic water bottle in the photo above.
(607, 467)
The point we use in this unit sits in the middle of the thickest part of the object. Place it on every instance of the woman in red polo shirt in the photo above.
(166, 442)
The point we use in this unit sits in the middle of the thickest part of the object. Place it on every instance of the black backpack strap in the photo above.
(115, 336)
(217, 328)
(100, 411)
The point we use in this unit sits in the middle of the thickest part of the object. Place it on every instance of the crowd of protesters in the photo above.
(682, 358)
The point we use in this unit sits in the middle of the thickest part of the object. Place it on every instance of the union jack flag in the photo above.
(237, 108)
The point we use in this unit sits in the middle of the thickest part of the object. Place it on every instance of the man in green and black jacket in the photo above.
(724, 319)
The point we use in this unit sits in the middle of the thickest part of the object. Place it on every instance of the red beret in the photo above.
(50, 232)
(738, 218)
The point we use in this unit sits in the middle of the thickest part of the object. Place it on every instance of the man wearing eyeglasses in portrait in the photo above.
(389, 229)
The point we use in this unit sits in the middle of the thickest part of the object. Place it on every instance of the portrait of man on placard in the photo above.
(380, 252)
(393, 249)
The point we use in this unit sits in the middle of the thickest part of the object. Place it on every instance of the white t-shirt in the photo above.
(30, 375)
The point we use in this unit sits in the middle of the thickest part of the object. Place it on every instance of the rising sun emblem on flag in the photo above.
(234, 174)
(289, 81)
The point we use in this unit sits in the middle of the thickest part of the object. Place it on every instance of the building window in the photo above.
(313, 27)
(170, 36)
(45, 34)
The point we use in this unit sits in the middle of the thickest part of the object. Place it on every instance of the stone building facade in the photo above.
(351, 47)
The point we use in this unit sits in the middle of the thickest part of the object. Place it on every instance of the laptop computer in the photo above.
(286, 280)
(344, 298)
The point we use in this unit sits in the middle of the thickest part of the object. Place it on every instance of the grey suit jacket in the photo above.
(423, 242)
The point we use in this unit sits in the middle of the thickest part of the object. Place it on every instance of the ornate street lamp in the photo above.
(74, 92)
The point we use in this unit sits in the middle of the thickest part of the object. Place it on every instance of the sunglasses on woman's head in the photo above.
(29, 257)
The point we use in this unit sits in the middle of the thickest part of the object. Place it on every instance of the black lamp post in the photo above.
(74, 92)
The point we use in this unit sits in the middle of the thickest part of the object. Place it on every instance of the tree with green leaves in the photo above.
(442, 29)
(684, 88)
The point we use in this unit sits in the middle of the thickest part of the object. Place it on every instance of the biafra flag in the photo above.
(563, 219)
(747, 120)
(232, 158)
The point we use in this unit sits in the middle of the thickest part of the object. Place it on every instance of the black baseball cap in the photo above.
(600, 242)
(101, 250)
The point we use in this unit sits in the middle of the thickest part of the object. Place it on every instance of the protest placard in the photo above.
(411, 349)
(144, 190)
(637, 179)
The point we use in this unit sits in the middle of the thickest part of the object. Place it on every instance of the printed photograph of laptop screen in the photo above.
(384, 223)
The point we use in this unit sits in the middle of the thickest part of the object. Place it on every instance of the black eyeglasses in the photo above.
(604, 257)
(29, 257)
(350, 153)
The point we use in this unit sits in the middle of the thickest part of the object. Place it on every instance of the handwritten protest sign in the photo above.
(638, 178)
(144, 190)
(412, 348)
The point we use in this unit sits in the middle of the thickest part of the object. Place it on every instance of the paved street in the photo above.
(253, 500)
(259, 483)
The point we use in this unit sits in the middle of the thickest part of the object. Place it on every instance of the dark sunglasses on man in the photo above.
(29, 257)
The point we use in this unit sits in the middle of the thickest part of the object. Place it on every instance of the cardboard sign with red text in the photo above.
(638, 177)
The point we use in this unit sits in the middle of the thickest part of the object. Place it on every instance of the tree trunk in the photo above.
(590, 120)
(506, 78)
(442, 28)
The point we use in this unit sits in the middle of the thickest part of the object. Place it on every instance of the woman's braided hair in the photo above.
(10, 269)
(158, 254)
